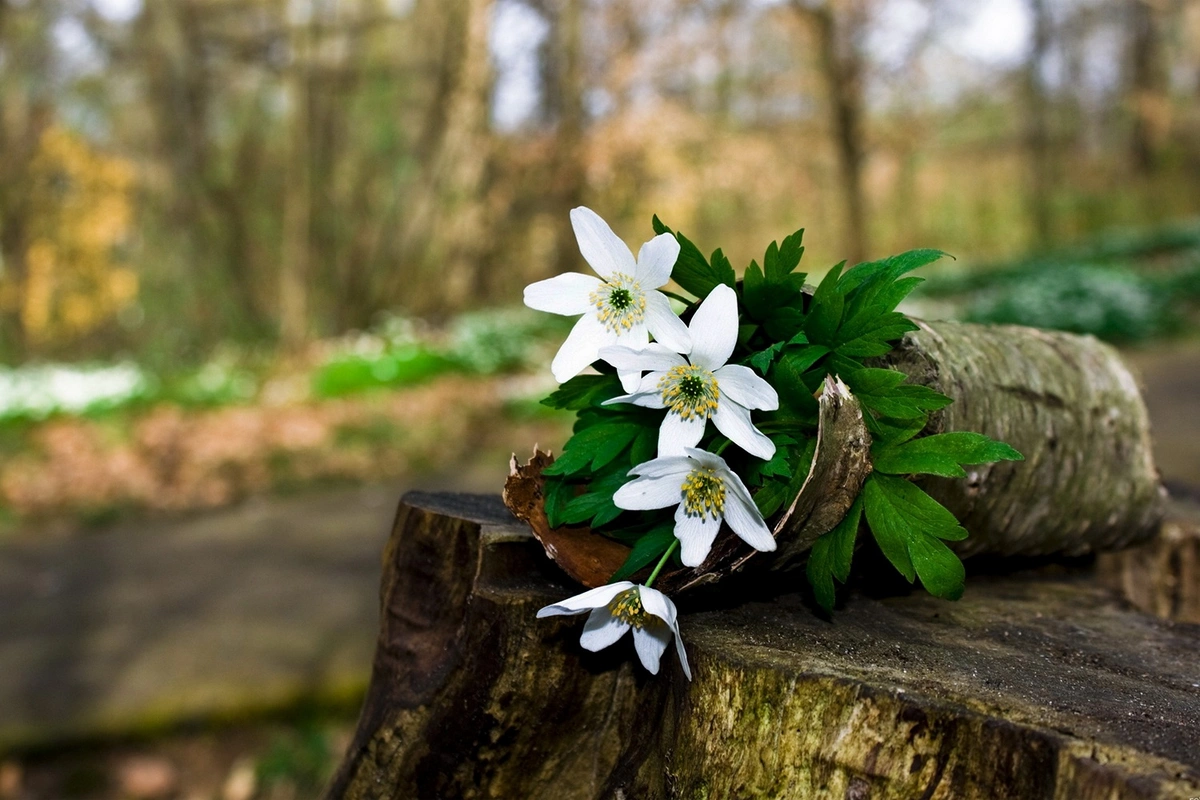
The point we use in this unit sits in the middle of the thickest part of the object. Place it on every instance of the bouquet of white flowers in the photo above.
(807, 438)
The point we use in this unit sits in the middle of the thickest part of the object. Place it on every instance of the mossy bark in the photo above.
(1030, 686)
(1071, 406)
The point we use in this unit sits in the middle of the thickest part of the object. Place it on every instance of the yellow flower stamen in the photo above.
(627, 607)
(690, 391)
(703, 494)
(620, 303)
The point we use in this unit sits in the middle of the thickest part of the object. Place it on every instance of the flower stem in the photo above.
(661, 562)
(680, 298)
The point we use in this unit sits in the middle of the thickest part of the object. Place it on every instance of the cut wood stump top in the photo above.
(1040, 684)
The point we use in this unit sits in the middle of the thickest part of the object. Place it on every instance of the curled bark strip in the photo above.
(587, 557)
(1068, 403)
(840, 465)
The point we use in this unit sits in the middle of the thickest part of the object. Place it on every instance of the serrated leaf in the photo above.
(790, 252)
(825, 311)
(754, 294)
(832, 555)
(584, 391)
(596, 505)
(965, 448)
(915, 508)
(597, 444)
(890, 529)
(646, 550)
(787, 376)
(692, 270)
(940, 570)
(556, 493)
(895, 266)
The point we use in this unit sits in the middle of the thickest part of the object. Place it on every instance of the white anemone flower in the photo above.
(700, 386)
(619, 607)
(620, 307)
(707, 491)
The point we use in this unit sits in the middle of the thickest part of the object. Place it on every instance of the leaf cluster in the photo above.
(794, 336)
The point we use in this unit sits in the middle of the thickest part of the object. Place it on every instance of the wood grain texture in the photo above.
(1040, 685)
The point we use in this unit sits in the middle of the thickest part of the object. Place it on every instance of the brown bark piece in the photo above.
(1035, 685)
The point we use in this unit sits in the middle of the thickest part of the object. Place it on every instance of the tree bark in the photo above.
(1038, 685)
(1088, 482)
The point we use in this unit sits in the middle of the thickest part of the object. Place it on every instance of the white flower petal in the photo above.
(635, 338)
(581, 348)
(629, 379)
(706, 459)
(650, 644)
(646, 493)
(593, 598)
(601, 248)
(653, 357)
(743, 516)
(743, 386)
(601, 630)
(658, 604)
(643, 399)
(714, 328)
(695, 535)
(683, 662)
(734, 421)
(656, 259)
(664, 325)
(567, 294)
(676, 433)
(675, 465)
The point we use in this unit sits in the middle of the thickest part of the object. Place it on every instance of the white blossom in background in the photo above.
(620, 607)
(38, 390)
(700, 386)
(621, 307)
(707, 491)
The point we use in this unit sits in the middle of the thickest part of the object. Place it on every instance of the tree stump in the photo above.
(1040, 685)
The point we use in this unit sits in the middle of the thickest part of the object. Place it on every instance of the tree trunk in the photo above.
(1040, 685)
(839, 48)
(1037, 125)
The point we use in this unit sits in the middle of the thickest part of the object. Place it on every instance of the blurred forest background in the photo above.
(175, 174)
(261, 248)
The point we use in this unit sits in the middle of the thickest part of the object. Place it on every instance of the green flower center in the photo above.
(619, 299)
(690, 391)
(703, 493)
(620, 303)
(627, 607)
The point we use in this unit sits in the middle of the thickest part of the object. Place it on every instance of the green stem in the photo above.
(680, 298)
(662, 561)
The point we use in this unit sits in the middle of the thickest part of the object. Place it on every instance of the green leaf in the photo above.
(831, 556)
(596, 444)
(584, 391)
(754, 292)
(965, 447)
(787, 376)
(646, 550)
(825, 312)
(881, 391)
(939, 568)
(787, 260)
(763, 359)
(596, 505)
(692, 270)
(894, 266)
(890, 529)
(557, 493)
(905, 522)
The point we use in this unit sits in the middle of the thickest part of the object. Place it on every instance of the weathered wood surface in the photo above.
(1040, 685)
(1071, 406)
